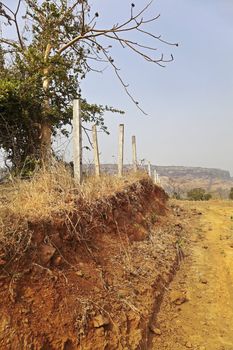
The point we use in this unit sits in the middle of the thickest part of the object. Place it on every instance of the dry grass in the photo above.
(54, 191)
(49, 194)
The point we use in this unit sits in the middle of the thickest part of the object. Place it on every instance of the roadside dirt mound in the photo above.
(94, 279)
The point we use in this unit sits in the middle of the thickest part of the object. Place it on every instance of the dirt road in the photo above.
(197, 312)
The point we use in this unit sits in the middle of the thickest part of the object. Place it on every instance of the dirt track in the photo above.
(197, 312)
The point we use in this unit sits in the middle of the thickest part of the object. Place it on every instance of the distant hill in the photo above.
(181, 179)
(193, 172)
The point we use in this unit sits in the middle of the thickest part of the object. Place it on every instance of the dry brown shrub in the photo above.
(48, 194)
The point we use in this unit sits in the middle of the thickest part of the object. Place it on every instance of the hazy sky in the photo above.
(189, 103)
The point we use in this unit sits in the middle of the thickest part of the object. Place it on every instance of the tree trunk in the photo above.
(45, 142)
(46, 127)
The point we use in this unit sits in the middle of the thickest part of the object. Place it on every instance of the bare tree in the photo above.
(61, 31)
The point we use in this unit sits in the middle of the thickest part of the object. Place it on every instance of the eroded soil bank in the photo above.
(94, 280)
(197, 311)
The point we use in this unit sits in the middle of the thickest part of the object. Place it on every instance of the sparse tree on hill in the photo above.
(231, 193)
(175, 189)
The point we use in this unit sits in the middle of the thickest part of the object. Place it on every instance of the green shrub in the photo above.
(231, 194)
(198, 194)
(176, 195)
(207, 196)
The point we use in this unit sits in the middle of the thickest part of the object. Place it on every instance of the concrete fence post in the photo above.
(149, 169)
(155, 177)
(77, 141)
(96, 150)
(121, 150)
(134, 150)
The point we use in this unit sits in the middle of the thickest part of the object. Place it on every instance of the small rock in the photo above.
(46, 253)
(177, 297)
(57, 261)
(203, 281)
(100, 321)
(188, 345)
(155, 330)
(179, 225)
(79, 273)
(2, 262)
(205, 246)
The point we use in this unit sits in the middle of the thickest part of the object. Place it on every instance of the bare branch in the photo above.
(9, 42)
(133, 23)
(116, 70)
(83, 18)
(132, 46)
(17, 26)
(133, 17)
(93, 69)
(13, 18)
(157, 37)
(18, 6)
(87, 135)
(7, 8)
(131, 42)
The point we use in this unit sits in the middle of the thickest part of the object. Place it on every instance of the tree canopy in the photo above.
(42, 67)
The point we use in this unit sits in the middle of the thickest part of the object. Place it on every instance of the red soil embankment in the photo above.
(92, 280)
